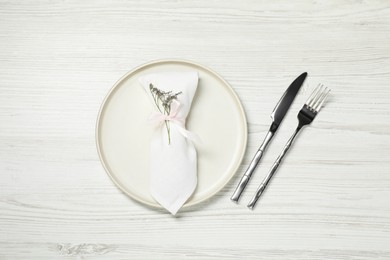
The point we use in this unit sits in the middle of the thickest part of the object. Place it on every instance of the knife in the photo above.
(277, 116)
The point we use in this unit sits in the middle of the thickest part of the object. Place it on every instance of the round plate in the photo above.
(123, 134)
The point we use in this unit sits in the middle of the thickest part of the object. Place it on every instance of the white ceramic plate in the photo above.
(122, 132)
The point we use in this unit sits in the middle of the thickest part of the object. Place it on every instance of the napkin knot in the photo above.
(159, 118)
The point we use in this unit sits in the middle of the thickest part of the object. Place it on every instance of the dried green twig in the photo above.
(163, 102)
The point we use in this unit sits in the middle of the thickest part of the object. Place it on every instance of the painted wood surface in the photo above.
(329, 199)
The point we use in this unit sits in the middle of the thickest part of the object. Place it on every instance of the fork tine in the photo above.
(325, 93)
(314, 96)
(308, 101)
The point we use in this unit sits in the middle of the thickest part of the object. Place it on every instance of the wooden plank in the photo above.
(330, 198)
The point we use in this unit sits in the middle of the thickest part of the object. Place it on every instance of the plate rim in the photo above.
(156, 62)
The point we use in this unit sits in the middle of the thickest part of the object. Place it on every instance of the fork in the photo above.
(305, 116)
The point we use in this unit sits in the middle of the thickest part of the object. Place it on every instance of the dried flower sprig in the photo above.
(163, 101)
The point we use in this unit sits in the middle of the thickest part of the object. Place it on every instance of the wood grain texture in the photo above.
(329, 199)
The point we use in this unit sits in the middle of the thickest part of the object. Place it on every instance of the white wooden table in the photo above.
(329, 200)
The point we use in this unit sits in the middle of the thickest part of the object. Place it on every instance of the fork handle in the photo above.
(274, 167)
(252, 166)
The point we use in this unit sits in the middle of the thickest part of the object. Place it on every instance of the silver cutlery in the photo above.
(277, 116)
(305, 116)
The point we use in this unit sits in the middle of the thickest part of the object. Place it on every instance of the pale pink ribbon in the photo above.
(159, 118)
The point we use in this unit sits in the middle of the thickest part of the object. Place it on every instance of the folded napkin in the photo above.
(173, 160)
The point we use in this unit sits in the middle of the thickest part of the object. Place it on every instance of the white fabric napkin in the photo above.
(173, 166)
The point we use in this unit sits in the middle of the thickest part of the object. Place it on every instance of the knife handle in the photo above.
(251, 168)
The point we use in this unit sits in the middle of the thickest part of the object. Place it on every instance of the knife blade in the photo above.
(277, 116)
